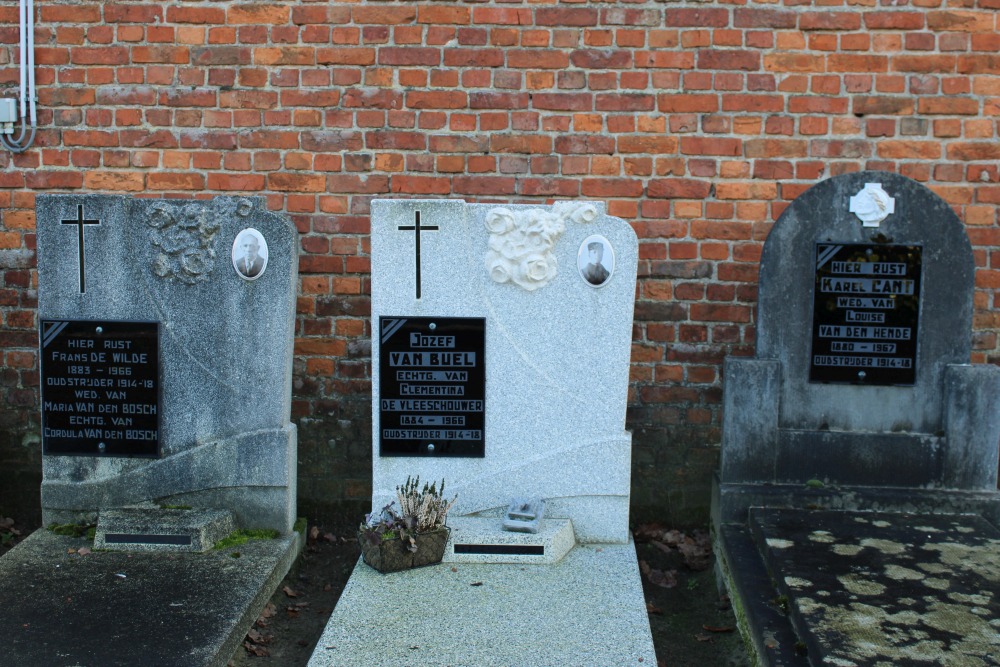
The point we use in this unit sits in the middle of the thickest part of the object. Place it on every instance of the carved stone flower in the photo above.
(500, 221)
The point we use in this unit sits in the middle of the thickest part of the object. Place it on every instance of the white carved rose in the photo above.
(521, 242)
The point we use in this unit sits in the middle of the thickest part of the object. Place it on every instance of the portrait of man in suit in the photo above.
(594, 260)
(249, 254)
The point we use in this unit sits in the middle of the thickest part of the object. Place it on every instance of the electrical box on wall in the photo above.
(8, 115)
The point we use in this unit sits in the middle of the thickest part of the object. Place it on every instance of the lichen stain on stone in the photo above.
(847, 549)
(881, 524)
(964, 598)
(900, 573)
(859, 585)
(885, 546)
(934, 568)
(927, 529)
(796, 582)
(775, 543)
(822, 536)
(984, 561)
(937, 584)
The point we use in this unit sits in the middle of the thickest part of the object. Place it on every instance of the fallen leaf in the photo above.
(327, 588)
(71, 550)
(454, 569)
(703, 637)
(313, 533)
(268, 611)
(289, 592)
(660, 578)
(329, 537)
(653, 609)
(715, 628)
(83, 551)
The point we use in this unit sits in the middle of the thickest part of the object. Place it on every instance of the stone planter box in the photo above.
(393, 556)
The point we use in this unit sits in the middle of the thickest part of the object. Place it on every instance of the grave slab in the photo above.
(869, 588)
(145, 608)
(586, 610)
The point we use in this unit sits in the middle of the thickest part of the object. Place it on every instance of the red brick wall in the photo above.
(697, 121)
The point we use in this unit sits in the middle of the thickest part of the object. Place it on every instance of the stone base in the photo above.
(124, 609)
(483, 540)
(863, 588)
(586, 610)
(162, 529)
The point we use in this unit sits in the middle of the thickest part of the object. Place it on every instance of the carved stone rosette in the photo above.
(522, 241)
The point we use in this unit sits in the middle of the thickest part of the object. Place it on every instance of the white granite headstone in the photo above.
(218, 436)
(548, 292)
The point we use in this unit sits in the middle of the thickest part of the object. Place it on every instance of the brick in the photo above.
(601, 59)
(175, 181)
(849, 62)
(199, 15)
(436, 99)
(889, 20)
(585, 144)
(409, 56)
(753, 103)
(115, 181)
(952, 106)
(220, 55)
(688, 103)
(535, 59)
(909, 150)
(481, 57)
(258, 14)
(174, 55)
(566, 17)
(678, 188)
(563, 101)
(961, 21)
(484, 185)
(444, 15)
(625, 102)
(973, 151)
(653, 144)
(794, 62)
(839, 21)
(726, 59)
(935, 63)
(696, 18)
(882, 106)
(108, 55)
(979, 64)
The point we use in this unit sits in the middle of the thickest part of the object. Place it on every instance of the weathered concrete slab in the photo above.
(870, 588)
(113, 608)
(585, 610)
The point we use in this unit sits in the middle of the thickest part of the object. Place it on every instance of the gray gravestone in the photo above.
(861, 399)
(166, 355)
(854, 424)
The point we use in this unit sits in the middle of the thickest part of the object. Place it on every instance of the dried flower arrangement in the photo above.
(389, 538)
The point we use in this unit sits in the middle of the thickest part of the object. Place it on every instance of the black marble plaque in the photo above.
(866, 311)
(100, 388)
(432, 386)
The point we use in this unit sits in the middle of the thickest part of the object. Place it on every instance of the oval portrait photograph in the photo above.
(250, 254)
(596, 260)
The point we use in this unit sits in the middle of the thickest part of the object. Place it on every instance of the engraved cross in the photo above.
(416, 229)
(80, 222)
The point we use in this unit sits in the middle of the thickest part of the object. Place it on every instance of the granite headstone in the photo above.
(861, 374)
(500, 353)
(166, 354)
